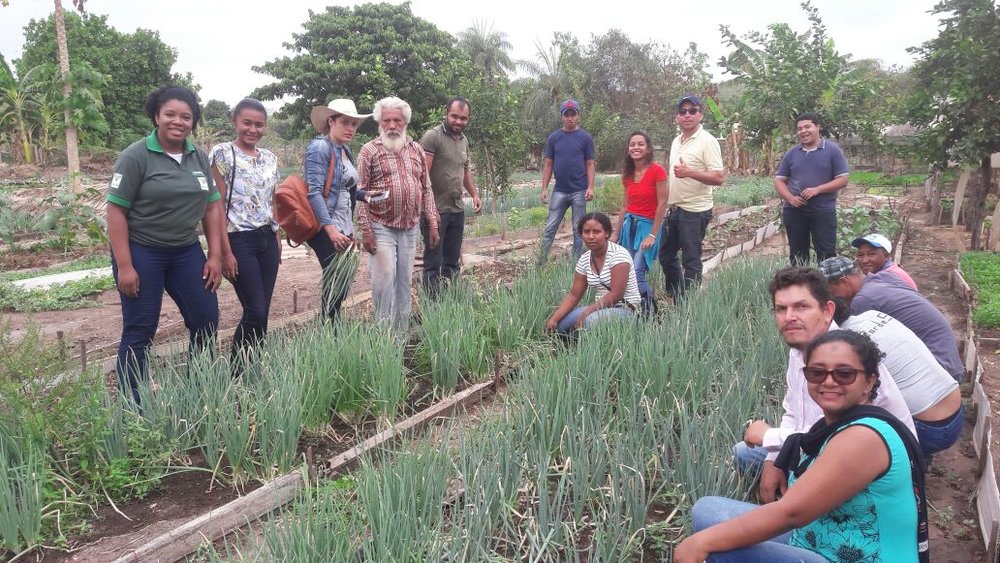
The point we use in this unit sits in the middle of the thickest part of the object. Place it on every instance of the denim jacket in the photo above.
(316, 163)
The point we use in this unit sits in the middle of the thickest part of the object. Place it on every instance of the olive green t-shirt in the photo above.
(451, 158)
(164, 198)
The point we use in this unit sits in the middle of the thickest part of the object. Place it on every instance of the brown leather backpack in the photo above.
(292, 211)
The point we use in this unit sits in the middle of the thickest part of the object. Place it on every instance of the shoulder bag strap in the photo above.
(232, 180)
(329, 173)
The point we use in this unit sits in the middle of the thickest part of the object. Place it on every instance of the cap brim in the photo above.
(856, 243)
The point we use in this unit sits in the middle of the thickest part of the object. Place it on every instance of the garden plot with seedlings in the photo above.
(599, 450)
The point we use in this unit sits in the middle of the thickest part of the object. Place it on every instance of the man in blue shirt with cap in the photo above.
(569, 153)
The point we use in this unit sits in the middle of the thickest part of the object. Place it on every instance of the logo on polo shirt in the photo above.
(202, 181)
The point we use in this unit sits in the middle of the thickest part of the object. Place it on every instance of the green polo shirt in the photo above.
(164, 199)
(451, 158)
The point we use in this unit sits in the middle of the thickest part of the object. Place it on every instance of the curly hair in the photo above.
(164, 94)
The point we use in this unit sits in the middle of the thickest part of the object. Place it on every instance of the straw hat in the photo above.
(340, 106)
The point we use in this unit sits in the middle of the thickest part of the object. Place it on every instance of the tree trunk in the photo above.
(978, 210)
(72, 142)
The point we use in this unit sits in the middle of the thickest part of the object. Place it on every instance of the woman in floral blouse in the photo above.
(247, 177)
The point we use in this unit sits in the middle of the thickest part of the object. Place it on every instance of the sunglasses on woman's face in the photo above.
(841, 375)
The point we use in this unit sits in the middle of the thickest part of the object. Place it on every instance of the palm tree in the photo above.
(72, 137)
(17, 107)
(489, 50)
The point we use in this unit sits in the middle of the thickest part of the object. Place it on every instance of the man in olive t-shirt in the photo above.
(447, 154)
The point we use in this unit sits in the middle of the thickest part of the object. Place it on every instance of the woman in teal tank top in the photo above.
(851, 494)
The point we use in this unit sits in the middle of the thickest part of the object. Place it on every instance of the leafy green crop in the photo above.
(982, 271)
(69, 295)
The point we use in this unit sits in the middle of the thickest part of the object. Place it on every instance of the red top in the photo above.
(641, 195)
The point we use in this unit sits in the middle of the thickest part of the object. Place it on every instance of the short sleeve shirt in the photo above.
(802, 169)
(886, 292)
(164, 198)
(569, 152)
(249, 199)
(642, 194)
(451, 159)
(700, 151)
(601, 281)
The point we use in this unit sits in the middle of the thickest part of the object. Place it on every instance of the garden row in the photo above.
(596, 453)
(67, 448)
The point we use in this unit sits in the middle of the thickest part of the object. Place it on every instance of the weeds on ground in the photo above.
(58, 297)
(744, 191)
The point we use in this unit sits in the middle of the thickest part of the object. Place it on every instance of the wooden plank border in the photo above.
(214, 524)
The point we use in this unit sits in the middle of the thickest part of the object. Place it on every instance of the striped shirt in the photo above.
(601, 281)
(404, 175)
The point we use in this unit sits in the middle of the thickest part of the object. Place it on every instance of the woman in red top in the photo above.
(643, 208)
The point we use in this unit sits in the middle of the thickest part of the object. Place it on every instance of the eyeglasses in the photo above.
(688, 111)
(841, 375)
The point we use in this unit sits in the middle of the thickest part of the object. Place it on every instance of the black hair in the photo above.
(156, 99)
(811, 278)
(457, 100)
(841, 311)
(601, 218)
(865, 348)
(809, 116)
(251, 104)
(628, 165)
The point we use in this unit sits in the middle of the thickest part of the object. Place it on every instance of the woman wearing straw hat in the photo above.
(329, 159)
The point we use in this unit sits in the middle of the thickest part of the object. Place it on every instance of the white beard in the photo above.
(394, 144)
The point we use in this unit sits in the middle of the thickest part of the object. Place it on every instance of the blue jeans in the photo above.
(937, 436)
(177, 270)
(391, 273)
(803, 224)
(559, 202)
(568, 323)
(709, 511)
(441, 263)
(682, 232)
(257, 258)
(749, 461)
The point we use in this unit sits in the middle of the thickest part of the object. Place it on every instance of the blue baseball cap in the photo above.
(690, 98)
(568, 105)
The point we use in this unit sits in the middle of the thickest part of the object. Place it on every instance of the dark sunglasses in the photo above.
(841, 375)
(688, 111)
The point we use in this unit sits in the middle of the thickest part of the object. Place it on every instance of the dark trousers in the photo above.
(178, 270)
(803, 224)
(257, 258)
(333, 293)
(442, 262)
(682, 232)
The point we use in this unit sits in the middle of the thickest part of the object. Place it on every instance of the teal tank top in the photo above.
(879, 524)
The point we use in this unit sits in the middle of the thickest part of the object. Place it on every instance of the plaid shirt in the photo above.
(405, 176)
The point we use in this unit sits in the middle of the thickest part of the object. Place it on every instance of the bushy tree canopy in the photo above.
(137, 63)
(364, 53)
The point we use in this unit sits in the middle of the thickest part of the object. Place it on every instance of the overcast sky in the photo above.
(219, 40)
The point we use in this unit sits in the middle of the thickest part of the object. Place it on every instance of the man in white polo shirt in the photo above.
(695, 166)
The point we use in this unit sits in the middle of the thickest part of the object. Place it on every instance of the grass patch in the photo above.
(883, 179)
(982, 271)
(744, 191)
(69, 295)
(85, 263)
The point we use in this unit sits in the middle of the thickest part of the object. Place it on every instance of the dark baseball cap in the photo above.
(569, 104)
(690, 98)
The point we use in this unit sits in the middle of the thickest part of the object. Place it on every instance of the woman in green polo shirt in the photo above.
(161, 188)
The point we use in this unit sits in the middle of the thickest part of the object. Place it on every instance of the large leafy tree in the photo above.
(136, 63)
(956, 101)
(782, 73)
(488, 50)
(364, 53)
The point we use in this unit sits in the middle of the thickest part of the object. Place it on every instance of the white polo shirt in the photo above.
(701, 152)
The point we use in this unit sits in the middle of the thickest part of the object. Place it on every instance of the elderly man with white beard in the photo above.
(393, 170)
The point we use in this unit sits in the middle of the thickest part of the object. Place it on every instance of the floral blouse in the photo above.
(253, 186)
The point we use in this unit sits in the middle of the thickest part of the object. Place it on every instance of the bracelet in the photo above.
(651, 235)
